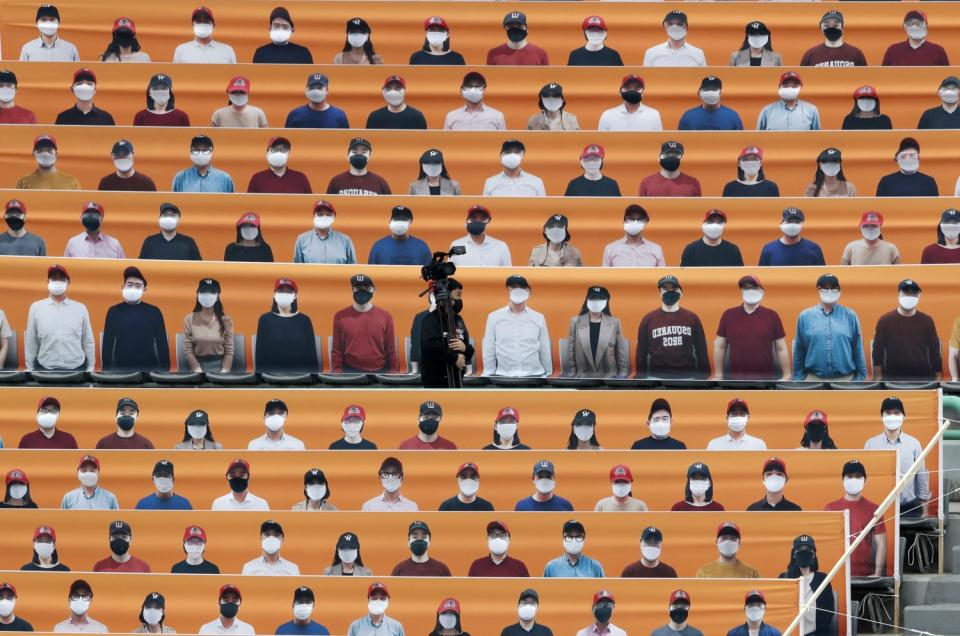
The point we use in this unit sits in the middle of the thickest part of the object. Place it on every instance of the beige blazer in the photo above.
(447, 187)
(612, 357)
(767, 58)
(569, 256)
(568, 121)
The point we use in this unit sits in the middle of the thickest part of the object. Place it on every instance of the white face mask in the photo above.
(168, 223)
(163, 484)
(660, 429)
(750, 167)
(160, 97)
(271, 545)
(473, 95)
(552, 104)
(909, 303)
(207, 299)
(949, 95)
(518, 295)
(323, 221)
(302, 611)
(17, 491)
(527, 612)
(48, 28)
(572, 546)
(650, 552)
(737, 423)
(201, 159)
(357, 40)
(916, 32)
(908, 165)
(249, 232)
(123, 165)
(892, 422)
(351, 428)
(274, 422)
(284, 300)
(44, 550)
(788, 93)
(774, 483)
(506, 431)
(728, 547)
(437, 38)
(152, 615)
(596, 305)
(202, 31)
(88, 479)
(633, 227)
(791, 229)
(391, 484)
(194, 550)
(7, 95)
(469, 487)
(596, 37)
(511, 160)
(676, 32)
(84, 92)
(432, 169)
(316, 492)
(829, 296)
(699, 487)
(853, 486)
(57, 287)
(545, 486)
(498, 546)
(591, 166)
(394, 97)
(583, 433)
(280, 36)
(347, 555)
(79, 606)
(710, 98)
(871, 233)
(196, 432)
(45, 159)
(755, 614)
(400, 228)
(758, 41)
(866, 104)
(752, 296)
(447, 620)
(239, 99)
(713, 231)
(377, 607)
(316, 95)
(278, 159)
(556, 234)
(621, 489)
(47, 420)
(830, 168)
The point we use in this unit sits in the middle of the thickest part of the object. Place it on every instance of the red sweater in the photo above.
(37, 439)
(292, 182)
(927, 54)
(671, 345)
(17, 115)
(133, 565)
(364, 341)
(175, 117)
(510, 567)
(530, 55)
(656, 185)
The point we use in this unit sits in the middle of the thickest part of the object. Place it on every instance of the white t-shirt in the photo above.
(286, 442)
(261, 567)
(252, 502)
(746, 443)
(238, 628)
(617, 118)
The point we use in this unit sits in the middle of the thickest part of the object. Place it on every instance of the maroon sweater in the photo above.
(431, 568)
(672, 345)
(364, 341)
(292, 182)
(175, 117)
(927, 54)
(530, 55)
(637, 570)
(510, 567)
(114, 441)
(37, 439)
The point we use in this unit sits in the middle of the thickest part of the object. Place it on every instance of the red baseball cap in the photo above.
(679, 595)
(278, 140)
(325, 205)
(594, 21)
(202, 11)
(57, 269)
(593, 150)
(239, 84)
(479, 209)
(395, 78)
(45, 530)
(435, 20)
(790, 75)
(285, 282)
(866, 91)
(508, 411)
(754, 593)
(88, 459)
(7, 587)
(49, 139)
(621, 471)
(47, 399)
(871, 218)
(17, 475)
(84, 73)
(15, 204)
(374, 587)
(738, 402)
(715, 212)
(751, 150)
(124, 23)
(239, 463)
(914, 13)
(92, 205)
(249, 218)
(632, 78)
(449, 605)
(230, 587)
(196, 532)
(354, 410)
(603, 595)
(774, 463)
(728, 527)
(815, 416)
(469, 465)
(498, 524)
(749, 279)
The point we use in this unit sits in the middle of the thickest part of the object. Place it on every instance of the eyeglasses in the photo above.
(574, 539)
(660, 420)
(908, 155)
(81, 597)
(386, 475)
(48, 411)
(202, 151)
(498, 535)
(915, 23)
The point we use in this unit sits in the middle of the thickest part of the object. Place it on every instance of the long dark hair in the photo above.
(54, 557)
(367, 46)
(819, 177)
(544, 110)
(583, 308)
(143, 622)
(827, 441)
(573, 440)
(260, 240)
(323, 478)
(856, 109)
(437, 628)
(114, 47)
(336, 554)
(446, 47)
(760, 176)
(443, 171)
(217, 310)
(28, 500)
(274, 308)
(171, 104)
(516, 436)
(208, 436)
(708, 496)
(793, 570)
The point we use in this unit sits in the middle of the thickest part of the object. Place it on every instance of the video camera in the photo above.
(440, 268)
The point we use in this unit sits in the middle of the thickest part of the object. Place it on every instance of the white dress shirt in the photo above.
(251, 502)
(617, 118)
(525, 185)
(611, 630)
(261, 567)
(490, 253)
(745, 443)
(193, 52)
(516, 344)
(239, 628)
(38, 51)
(665, 55)
(90, 626)
(286, 442)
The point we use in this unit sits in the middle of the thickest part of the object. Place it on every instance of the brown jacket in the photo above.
(612, 357)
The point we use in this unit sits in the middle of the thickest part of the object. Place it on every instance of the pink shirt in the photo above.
(103, 246)
(484, 119)
(623, 254)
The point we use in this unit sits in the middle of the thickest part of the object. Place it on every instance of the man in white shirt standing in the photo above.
(58, 334)
(916, 493)
(516, 342)
(80, 597)
(738, 413)
(270, 563)
(228, 623)
(275, 438)
(676, 51)
(603, 605)
(203, 49)
(631, 114)
(239, 497)
(49, 47)
(482, 249)
(390, 500)
(513, 181)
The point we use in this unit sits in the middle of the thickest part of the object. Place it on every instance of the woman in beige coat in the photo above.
(552, 115)
(556, 251)
(596, 347)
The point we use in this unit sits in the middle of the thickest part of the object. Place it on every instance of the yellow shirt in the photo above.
(57, 180)
(955, 334)
(735, 570)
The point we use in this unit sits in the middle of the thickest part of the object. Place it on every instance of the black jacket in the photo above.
(434, 352)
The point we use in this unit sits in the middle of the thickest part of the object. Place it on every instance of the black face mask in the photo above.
(516, 35)
(457, 306)
(679, 615)
(15, 223)
(670, 163)
(816, 432)
(229, 610)
(124, 39)
(603, 613)
(238, 484)
(362, 296)
(119, 546)
(476, 228)
(126, 422)
(419, 547)
(429, 426)
(670, 298)
(804, 558)
(833, 33)
(631, 97)
(91, 222)
(358, 161)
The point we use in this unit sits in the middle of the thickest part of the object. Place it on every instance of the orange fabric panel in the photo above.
(488, 604)
(277, 89)
(476, 27)
(210, 219)
(472, 157)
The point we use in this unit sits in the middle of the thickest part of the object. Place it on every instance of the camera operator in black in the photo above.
(440, 350)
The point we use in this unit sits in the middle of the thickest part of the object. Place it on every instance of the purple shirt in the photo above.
(103, 246)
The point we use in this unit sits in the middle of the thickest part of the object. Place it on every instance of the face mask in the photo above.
(394, 97)
(429, 426)
(853, 486)
(169, 223)
(909, 303)
(518, 296)
(594, 37)
(119, 546)
(239, 99)
(699, 487)
(758, 41)
(755, 614)
(829, 296)
(713, 231)
(670, 298)
(207, 299)
(196, 432)
(202, 31)
(583, 433)
(91, 222)
(498, 546)
(516, 35)
(79, 606)
(376, 607)
(351, 428)
(45, 159)
(347, 556)
(278, 159)
(48, 28)
(866, 104)
(527, 612)
(909, 165)
(804, 558)
(556, 234)
(249, 232)
(125, 165)
(791, 229)
(632, 97)
(506, 431)
(391, 484)
(17, 491)
(357, 40)
(892, 422)
(126, 422)
(284, 301)
(469, 487)
(596, 306)
(271, 545)
(229, 610)
(591, 167)
(193, 550)
(511, 160)
(788, 93)
(399, 228)
(436, 38)
(316, 95)
(44, 550)
(447, 620)
(274, 422)
(432, 169)
(752, 296)
(737, 423)
(238, 484)
(163, 484)
(159, 97)
(15, 223)
(676, 32)
(634, 227)
(358, 162)
(200, 159)
(833, 33)
(830, 169)
(660, 429)
(152, 616)
(650, 552)
(47, 420)
(603, 613)
(950, 231)
(57, 287)
(323, 221)
(916, 32)
(7, 95)
(774, 483)
(302, 611)
(816, 432)
(84, 92)
(670, 163)
(572, 546)
(621, 490)
(728, 548)
(552, 104)
(710, 98)
(280, 36)
(89, 479)
(750, 167)
(870, 233)
(679, 615)
(316, 492)
(362, 296)
(545, 486)
(472, 95)
(419, 546)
